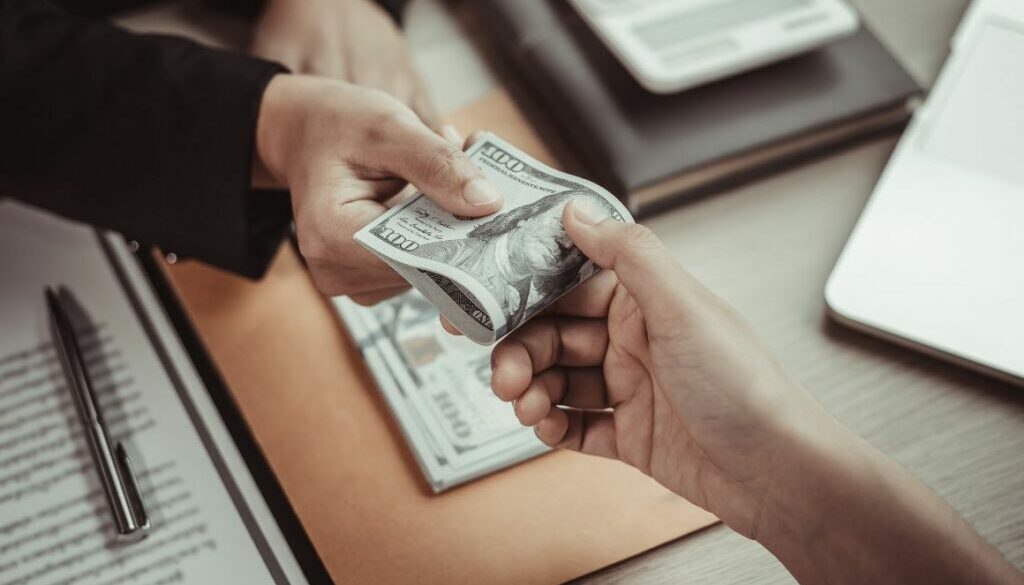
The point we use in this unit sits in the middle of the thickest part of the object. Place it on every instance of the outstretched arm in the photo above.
(645, 365)
(163, 140)
(146, 134)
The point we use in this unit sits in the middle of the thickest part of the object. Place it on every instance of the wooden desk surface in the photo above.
(768, 248)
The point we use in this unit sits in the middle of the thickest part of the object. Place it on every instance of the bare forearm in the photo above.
(851, 515)
(700, 405)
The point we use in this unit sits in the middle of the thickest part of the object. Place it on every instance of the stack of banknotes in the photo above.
(438, 388)
(487, 276)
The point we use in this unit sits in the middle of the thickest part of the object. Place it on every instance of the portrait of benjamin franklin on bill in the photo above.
(523, 256)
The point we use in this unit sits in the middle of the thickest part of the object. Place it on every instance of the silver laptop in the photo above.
(937, 259)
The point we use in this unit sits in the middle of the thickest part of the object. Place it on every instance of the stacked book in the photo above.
(655, 150)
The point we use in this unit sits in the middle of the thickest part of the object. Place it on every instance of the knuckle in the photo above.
(502, 392)
(640, 236)
(390, 122)
(556, 383)
(439, 162)
(624, 245)
(348, 220)
(517, 408)
(398, 116)
(639, 241)
(313, 249)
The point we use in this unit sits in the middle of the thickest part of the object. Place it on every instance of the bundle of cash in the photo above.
(438, 388)
(489, 275)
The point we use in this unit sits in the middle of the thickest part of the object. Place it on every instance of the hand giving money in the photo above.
(489, 275)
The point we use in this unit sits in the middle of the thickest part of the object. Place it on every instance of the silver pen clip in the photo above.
(138, 517)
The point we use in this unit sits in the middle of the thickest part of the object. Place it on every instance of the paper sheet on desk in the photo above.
(55, 526)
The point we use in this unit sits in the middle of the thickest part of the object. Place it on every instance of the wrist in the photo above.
(821, 464)
(268, 161)
(848, 514)
(843, 507)
(290, 103)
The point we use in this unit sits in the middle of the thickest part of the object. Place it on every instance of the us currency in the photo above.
(438, 387)
(489, 275)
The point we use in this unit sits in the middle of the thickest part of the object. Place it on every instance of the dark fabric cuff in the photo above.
(149, 135)
(220, 218)
(252, 8)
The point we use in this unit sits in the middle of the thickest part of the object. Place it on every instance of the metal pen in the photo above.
(115, 469)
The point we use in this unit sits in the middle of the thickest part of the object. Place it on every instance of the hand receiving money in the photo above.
(645, 365)
(696, 401)
(490, 275)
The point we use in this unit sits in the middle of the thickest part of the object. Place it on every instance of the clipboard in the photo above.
(277, 503)
(218, 513)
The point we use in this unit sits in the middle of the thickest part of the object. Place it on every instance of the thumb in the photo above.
(641, 262)
(443, 172)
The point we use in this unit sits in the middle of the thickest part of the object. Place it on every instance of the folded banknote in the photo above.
(490, 275)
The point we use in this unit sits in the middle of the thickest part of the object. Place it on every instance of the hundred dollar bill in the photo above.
(489, 275)
(438, 388)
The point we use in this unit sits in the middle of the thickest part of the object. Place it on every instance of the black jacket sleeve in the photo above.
(149, 135)
(251, 8)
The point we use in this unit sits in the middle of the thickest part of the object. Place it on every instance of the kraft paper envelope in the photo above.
(329, 437)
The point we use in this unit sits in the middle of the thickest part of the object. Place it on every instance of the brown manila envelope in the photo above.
(327, 434)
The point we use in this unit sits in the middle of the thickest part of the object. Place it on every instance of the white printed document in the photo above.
(210, 522)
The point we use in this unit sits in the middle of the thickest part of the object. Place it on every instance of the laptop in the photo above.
(673, 45)
(936, 261)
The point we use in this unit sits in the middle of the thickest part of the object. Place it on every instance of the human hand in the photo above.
(658, 372)
(349, 40)
(344, 150)
(696, 401)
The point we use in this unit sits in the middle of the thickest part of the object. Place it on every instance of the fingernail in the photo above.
(586, 212)
(480, 192)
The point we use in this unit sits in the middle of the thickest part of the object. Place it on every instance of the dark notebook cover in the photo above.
(630, 139)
